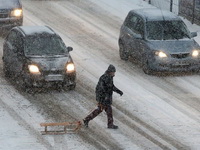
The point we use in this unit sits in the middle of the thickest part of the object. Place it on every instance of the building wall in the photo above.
(165, 4)
(190, 9)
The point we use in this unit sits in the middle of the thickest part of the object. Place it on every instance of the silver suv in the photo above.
(159, 40)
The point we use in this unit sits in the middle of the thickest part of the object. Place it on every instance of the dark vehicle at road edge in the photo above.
(38, 57)
(11, 14)
(160, 41)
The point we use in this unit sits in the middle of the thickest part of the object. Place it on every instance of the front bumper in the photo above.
(49, 80)
(175, 65)
(10, 22)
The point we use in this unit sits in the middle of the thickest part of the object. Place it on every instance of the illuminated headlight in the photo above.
(161, 54)
(33, 69)
(70, 67)
(195, 53)
(16, 13)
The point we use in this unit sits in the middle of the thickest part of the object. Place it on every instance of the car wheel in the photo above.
(69, 87)
(122, 52)
(146, 68)
(72, 87)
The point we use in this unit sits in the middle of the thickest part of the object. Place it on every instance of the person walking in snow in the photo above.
(104, 92)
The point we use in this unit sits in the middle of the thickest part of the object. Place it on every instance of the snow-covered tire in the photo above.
(122, 52)
(146, 68)
(69, 87)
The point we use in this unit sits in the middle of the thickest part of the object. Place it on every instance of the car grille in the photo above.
(3, 15)
(180, 55)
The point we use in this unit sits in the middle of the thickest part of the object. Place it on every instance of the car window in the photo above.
(11, 39)
(166, 30)
(19, 44)
(136, 24)
(139, 26)
(9, 3)
(44, 45)
(131, 21)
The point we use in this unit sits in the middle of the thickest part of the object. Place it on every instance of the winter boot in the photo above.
(85, 123)
(113, 127)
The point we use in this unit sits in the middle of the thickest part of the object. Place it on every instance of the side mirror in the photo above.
(69, 48)
(193, 34)
(138, 36)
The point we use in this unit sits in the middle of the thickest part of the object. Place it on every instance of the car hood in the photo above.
(50, 63)
(174, 46)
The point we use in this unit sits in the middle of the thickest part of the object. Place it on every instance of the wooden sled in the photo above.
(68, 127)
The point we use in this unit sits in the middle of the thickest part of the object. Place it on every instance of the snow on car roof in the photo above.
(35, 30)
(153, 14)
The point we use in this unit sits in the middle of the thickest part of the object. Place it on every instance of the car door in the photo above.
(128, 33)
(137, 38)
(12, 48)
(8, 51)
(19, 54)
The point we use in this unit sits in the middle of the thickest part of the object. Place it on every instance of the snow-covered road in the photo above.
(154, 112)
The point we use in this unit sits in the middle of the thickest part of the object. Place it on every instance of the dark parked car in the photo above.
(11, 13)
(160, 40)
(38, 56)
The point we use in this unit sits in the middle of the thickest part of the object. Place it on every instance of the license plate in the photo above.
(180, 63)
(54, 77)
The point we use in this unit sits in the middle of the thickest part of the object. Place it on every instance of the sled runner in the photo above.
(68, 127)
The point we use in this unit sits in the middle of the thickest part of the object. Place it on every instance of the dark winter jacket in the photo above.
(105, 88)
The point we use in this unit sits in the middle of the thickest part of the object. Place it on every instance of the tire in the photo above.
(147, 69)
(69, 87)
(72, 87)
(122, 53)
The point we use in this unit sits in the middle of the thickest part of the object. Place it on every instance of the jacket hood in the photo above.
(111, 68)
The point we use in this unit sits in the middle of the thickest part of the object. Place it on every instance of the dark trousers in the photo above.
(100, 108)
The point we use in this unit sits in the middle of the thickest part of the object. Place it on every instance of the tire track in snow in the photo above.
(50, 105)
(14, 112)
(91, 35)
(143, 128)
(81, 32)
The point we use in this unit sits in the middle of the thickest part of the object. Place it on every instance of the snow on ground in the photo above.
(154, 112)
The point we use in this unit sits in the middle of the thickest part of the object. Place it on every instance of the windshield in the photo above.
(4, 4)
(44, 45)
(166, 30)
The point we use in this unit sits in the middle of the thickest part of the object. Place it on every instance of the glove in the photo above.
(121, 93)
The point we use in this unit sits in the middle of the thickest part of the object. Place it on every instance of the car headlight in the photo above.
(161, 54)
(70, 67)
(16, 13)
(34, 69)
(195, 53)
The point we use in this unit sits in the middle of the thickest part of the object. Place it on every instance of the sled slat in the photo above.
(69, 127)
